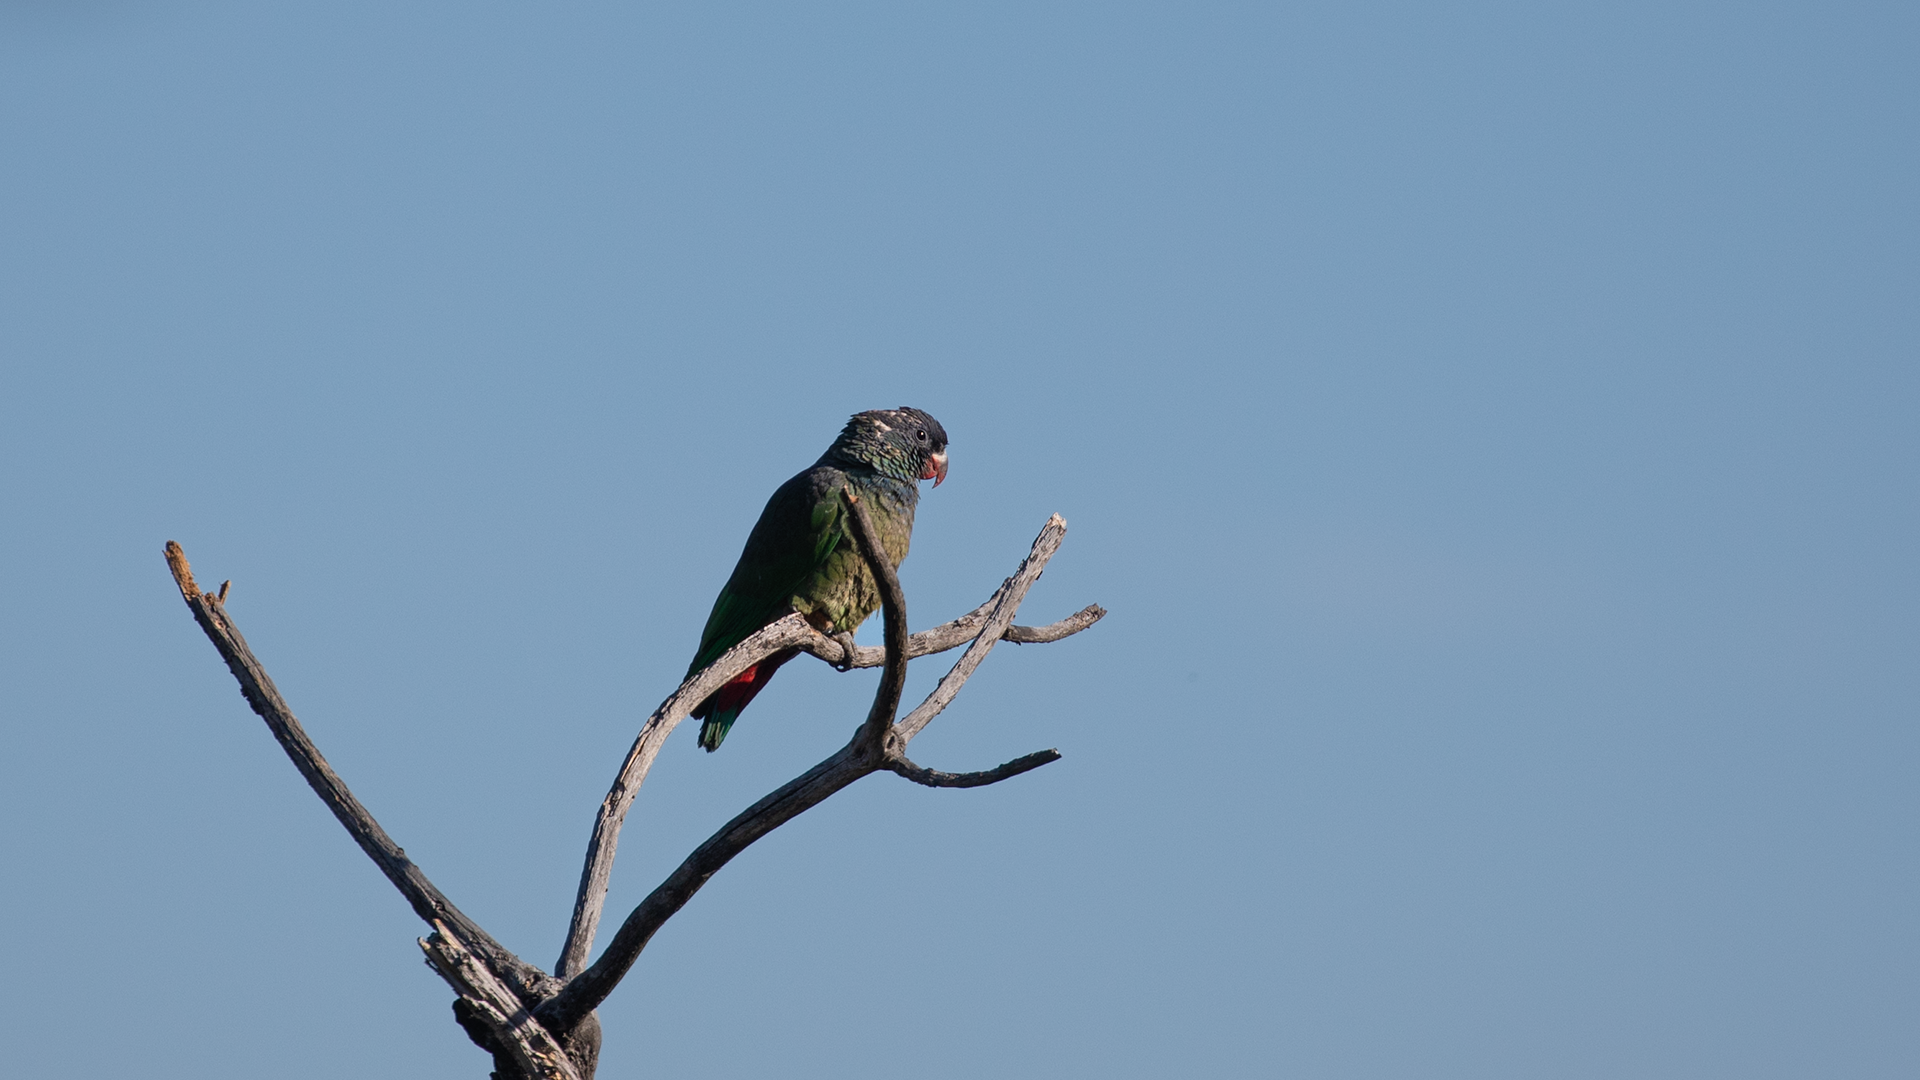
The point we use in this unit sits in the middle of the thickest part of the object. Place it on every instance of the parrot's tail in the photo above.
(723, 706)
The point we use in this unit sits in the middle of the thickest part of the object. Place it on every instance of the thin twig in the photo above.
(954, 634)
(1067, 627)
(920, 774)
(427, 901)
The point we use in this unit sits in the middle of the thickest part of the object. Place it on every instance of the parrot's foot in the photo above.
(845, 638)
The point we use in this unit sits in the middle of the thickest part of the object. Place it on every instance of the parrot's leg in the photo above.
(845, 638)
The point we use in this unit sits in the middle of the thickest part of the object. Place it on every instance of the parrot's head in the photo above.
(903, 443)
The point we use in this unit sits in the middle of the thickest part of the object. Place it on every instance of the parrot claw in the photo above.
(845, 640)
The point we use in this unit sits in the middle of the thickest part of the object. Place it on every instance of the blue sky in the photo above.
(1491, 428)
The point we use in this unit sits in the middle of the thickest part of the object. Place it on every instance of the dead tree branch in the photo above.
(790, 632)
(864, 754)
(920, 774)
(427, 901)
(952, 635)
(510, 1026)
(542, 1027)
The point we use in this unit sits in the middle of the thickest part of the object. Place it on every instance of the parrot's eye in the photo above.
(921, 435)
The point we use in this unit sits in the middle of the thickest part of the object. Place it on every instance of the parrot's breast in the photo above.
(842, 593)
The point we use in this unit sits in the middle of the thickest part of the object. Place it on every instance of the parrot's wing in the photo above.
(802, 524)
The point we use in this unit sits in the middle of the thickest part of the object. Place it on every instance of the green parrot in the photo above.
(801, 557)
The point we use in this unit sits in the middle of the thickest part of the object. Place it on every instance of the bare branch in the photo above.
(559, 1038)
(920, 774)
(591, 898)
(790, 632)
(585, 991)
(1067, 627)
(513, 1028)
(893, 605)
(1001, 617)
(954, 634)
(427, 901)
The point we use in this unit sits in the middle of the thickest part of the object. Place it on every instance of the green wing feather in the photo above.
(796, 534)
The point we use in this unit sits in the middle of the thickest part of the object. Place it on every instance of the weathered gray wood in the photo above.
(952, 635)
(1006, 605)
(586, 990)
(1067, 627)
(540, 1026)
(866, 752)
(589, 902)
(255, 685)
(920, 774)
(531, 1046)
(590, 898)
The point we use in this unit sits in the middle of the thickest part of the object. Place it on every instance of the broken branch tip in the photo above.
(182, 573)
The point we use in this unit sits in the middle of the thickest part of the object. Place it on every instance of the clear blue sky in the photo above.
(1492, 427)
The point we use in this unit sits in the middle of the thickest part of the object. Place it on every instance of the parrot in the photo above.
(801, 555)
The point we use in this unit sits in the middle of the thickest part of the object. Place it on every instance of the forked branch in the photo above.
(790, 632)
(541, 1026)
(866, 753)
(510, 1027)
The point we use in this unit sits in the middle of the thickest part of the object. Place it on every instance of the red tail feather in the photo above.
(734, 696)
